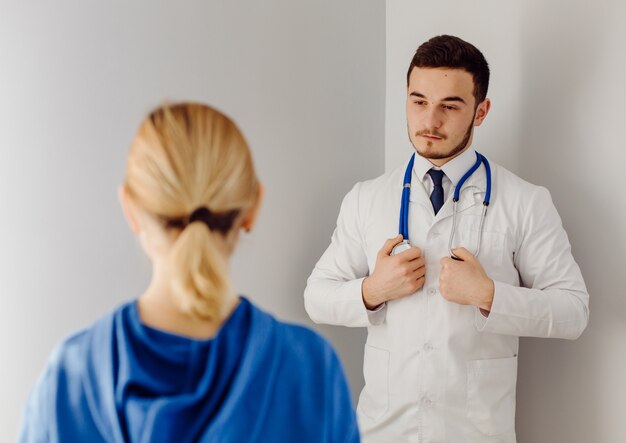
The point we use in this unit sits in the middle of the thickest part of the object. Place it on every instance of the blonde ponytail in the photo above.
(199, 274)
(184, 158)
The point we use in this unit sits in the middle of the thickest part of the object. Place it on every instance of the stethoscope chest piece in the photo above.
(400, 247)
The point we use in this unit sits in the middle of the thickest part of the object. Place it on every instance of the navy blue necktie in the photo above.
(436, 197)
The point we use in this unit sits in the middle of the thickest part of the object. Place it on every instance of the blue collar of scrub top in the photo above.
(406, 193)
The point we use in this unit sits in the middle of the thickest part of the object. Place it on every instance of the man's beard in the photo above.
(459, 148)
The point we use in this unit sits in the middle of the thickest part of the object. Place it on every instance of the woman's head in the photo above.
(191, 177)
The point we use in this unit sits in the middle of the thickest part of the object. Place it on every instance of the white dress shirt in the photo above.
(454, 170)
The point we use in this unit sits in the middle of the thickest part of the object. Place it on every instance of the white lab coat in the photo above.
(436, 371)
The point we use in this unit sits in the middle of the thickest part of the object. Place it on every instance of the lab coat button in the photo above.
(428, 347)
(427, 402)
(431, 291)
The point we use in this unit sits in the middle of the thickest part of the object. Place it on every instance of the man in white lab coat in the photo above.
(441, 355)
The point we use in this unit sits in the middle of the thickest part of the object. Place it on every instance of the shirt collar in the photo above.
(454, 169)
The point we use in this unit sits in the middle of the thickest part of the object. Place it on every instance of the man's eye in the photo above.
(419, 102)
(449, 108)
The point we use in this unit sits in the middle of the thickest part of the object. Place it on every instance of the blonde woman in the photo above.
(190, 361)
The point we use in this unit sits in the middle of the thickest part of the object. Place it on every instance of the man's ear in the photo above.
(128, 209)
(251, 217)
(481, 112)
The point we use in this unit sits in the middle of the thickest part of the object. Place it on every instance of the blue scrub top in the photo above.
(257, 380)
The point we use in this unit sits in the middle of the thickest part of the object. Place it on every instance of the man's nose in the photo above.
(433, 118)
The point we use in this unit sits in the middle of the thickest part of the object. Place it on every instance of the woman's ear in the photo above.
(128, 209)
(251, 217)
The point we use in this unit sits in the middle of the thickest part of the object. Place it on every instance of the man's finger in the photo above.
(446, 261)
(419, 272)
(463, 254)
(389, 244)
(417, 263)
(412, 253)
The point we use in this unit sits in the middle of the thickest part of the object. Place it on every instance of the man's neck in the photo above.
(439, 162)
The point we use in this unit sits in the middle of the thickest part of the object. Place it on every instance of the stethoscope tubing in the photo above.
(406, 193)
(404, 204)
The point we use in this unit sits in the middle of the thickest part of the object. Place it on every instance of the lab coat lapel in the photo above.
(418, 193)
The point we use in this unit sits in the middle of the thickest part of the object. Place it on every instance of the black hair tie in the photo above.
(201, 214)
(221, 222)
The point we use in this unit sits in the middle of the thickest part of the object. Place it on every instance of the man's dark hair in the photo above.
(447, 51)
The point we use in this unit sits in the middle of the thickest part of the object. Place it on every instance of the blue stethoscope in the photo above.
(406, 193)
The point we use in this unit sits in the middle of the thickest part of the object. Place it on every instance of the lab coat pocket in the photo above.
(374, 399)
(492, 246)
(491, 394)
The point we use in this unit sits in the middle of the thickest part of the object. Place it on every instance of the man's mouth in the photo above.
(431, 137)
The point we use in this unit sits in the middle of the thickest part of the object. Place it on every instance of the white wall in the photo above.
(305, 81)
(557, 120)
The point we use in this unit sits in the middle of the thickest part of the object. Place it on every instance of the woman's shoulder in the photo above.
(299, 341)
(299, 335)
(71, 353)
